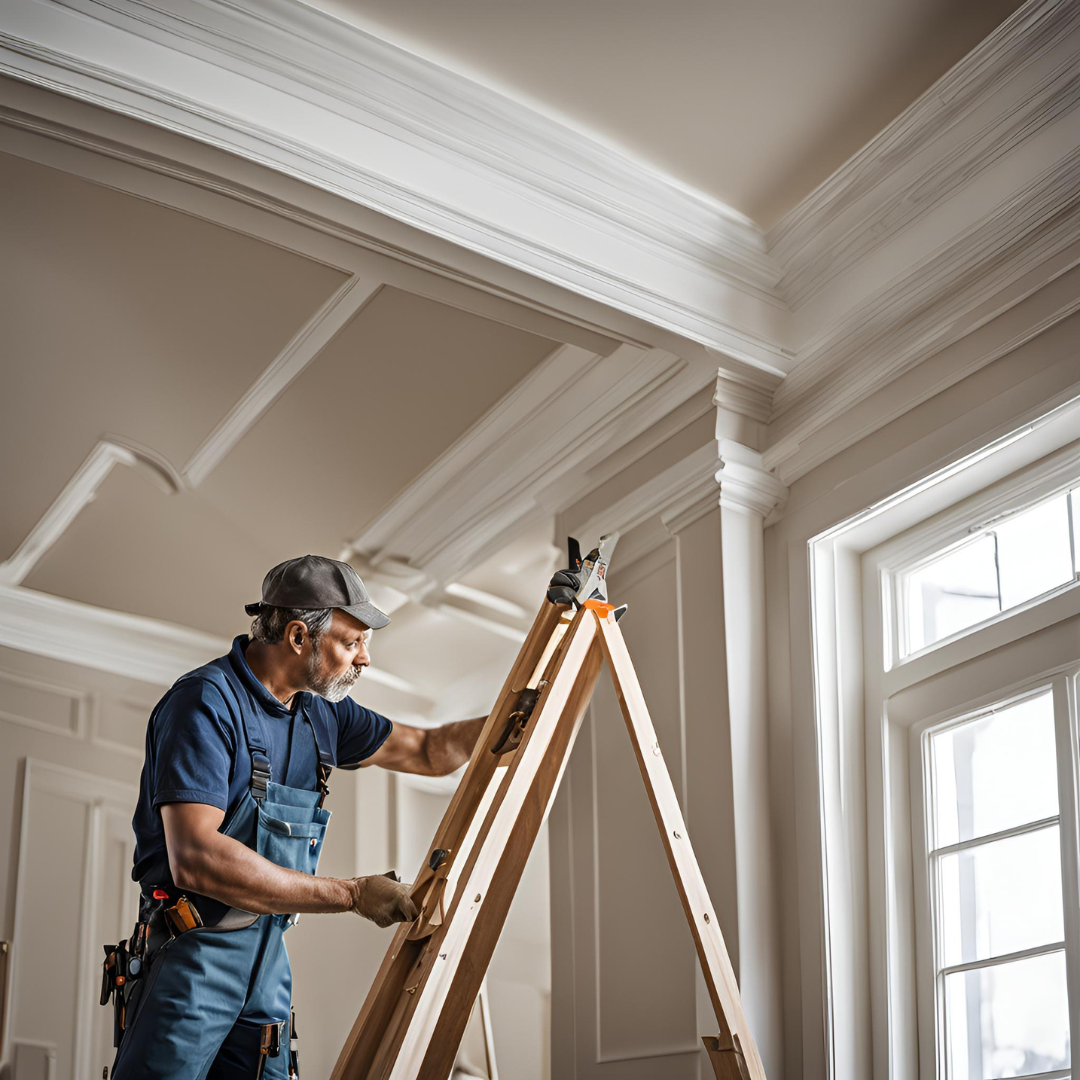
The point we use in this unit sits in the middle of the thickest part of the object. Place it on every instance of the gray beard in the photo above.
(333, 689)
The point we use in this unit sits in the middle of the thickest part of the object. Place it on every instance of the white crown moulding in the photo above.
(293, 88)
(137, 647)
(81, 489)
(938, 144)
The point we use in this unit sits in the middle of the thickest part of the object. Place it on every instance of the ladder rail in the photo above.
(700, 914)
(490, 878)
(383, 1001)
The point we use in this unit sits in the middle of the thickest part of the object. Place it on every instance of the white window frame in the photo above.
(869, 977)
(1062, 684)
(892, 682)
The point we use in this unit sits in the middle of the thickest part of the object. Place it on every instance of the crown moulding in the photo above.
(926, 153)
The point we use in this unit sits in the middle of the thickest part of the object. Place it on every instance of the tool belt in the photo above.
(162, 917)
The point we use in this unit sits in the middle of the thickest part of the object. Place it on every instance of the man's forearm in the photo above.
(234, 874)
(450, 746)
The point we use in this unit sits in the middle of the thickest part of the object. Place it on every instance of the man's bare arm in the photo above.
(206, 861)
(428, 751)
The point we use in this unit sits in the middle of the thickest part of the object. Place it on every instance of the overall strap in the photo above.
(260, 759)
(326, 758)
(257, 746)
(253, 732)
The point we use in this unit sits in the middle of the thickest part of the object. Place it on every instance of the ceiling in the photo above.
(127, 318)
(754, 104)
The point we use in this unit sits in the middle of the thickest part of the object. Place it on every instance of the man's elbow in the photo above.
(188, 872)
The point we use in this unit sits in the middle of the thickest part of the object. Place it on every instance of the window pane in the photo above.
(953, 592)
(1001, 897)
(995, 772)
(1018, 559)
(1007, 1020)
(1034, 552)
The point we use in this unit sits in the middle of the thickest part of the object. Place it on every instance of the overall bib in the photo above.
(199, 1011)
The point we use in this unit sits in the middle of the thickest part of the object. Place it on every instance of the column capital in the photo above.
(745, 483)
(746, 392)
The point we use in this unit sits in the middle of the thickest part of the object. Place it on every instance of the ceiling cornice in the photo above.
(884, 272)
(81, 489)
(937, 301)
(941, 142)
(291, 87)
(136, 647)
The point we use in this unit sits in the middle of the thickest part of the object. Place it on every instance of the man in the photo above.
(229, 827)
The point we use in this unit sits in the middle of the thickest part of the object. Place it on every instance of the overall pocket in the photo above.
(296, 845)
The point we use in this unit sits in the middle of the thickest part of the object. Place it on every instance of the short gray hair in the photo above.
(269, 625)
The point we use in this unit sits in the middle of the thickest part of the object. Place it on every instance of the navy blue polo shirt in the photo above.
(197, 751)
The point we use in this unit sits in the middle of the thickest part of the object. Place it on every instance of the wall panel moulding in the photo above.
(293, 88)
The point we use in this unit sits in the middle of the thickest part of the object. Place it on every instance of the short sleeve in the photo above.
(193, 746)
(361, 732)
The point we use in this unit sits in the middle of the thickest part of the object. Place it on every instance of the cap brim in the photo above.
(368, 614)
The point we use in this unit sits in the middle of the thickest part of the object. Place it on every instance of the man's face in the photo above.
(338, 657)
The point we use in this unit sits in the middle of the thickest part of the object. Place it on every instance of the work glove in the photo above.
(383, 900)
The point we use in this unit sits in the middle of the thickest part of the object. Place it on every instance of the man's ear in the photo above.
(296, 633)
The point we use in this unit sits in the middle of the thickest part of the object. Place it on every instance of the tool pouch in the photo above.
(182, 917)
(269, 1044)
(121, 968)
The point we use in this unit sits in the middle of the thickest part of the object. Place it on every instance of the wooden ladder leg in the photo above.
(735, 1055)
(491, 877)
(413, 1019)
(384, 999)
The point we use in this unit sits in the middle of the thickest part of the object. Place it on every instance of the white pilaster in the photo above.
(748, 492)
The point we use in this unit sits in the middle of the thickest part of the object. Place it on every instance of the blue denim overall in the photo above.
(200, 1009)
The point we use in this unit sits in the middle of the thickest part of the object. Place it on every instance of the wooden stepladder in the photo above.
(415, 1014)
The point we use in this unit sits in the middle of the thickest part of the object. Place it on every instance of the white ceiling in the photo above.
(752, 103)
(124, 317)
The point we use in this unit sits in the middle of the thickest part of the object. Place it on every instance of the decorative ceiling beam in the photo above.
(315, 98)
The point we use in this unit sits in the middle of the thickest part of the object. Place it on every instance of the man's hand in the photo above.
(382, 900)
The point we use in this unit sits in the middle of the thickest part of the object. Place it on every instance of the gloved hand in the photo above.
(382, 900)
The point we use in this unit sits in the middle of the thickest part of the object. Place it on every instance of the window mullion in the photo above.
(1003, 834)
(1005, 958)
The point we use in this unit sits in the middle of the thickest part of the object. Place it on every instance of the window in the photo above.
(991, 810)
(945, 654)
(999, 565)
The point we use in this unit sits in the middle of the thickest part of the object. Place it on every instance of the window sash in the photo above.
(1058, 474)
(1065, 689)
(1004, 958)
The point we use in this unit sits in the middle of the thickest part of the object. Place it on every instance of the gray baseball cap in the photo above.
(311, 582)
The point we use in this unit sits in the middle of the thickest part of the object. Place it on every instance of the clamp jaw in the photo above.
(583, 579)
